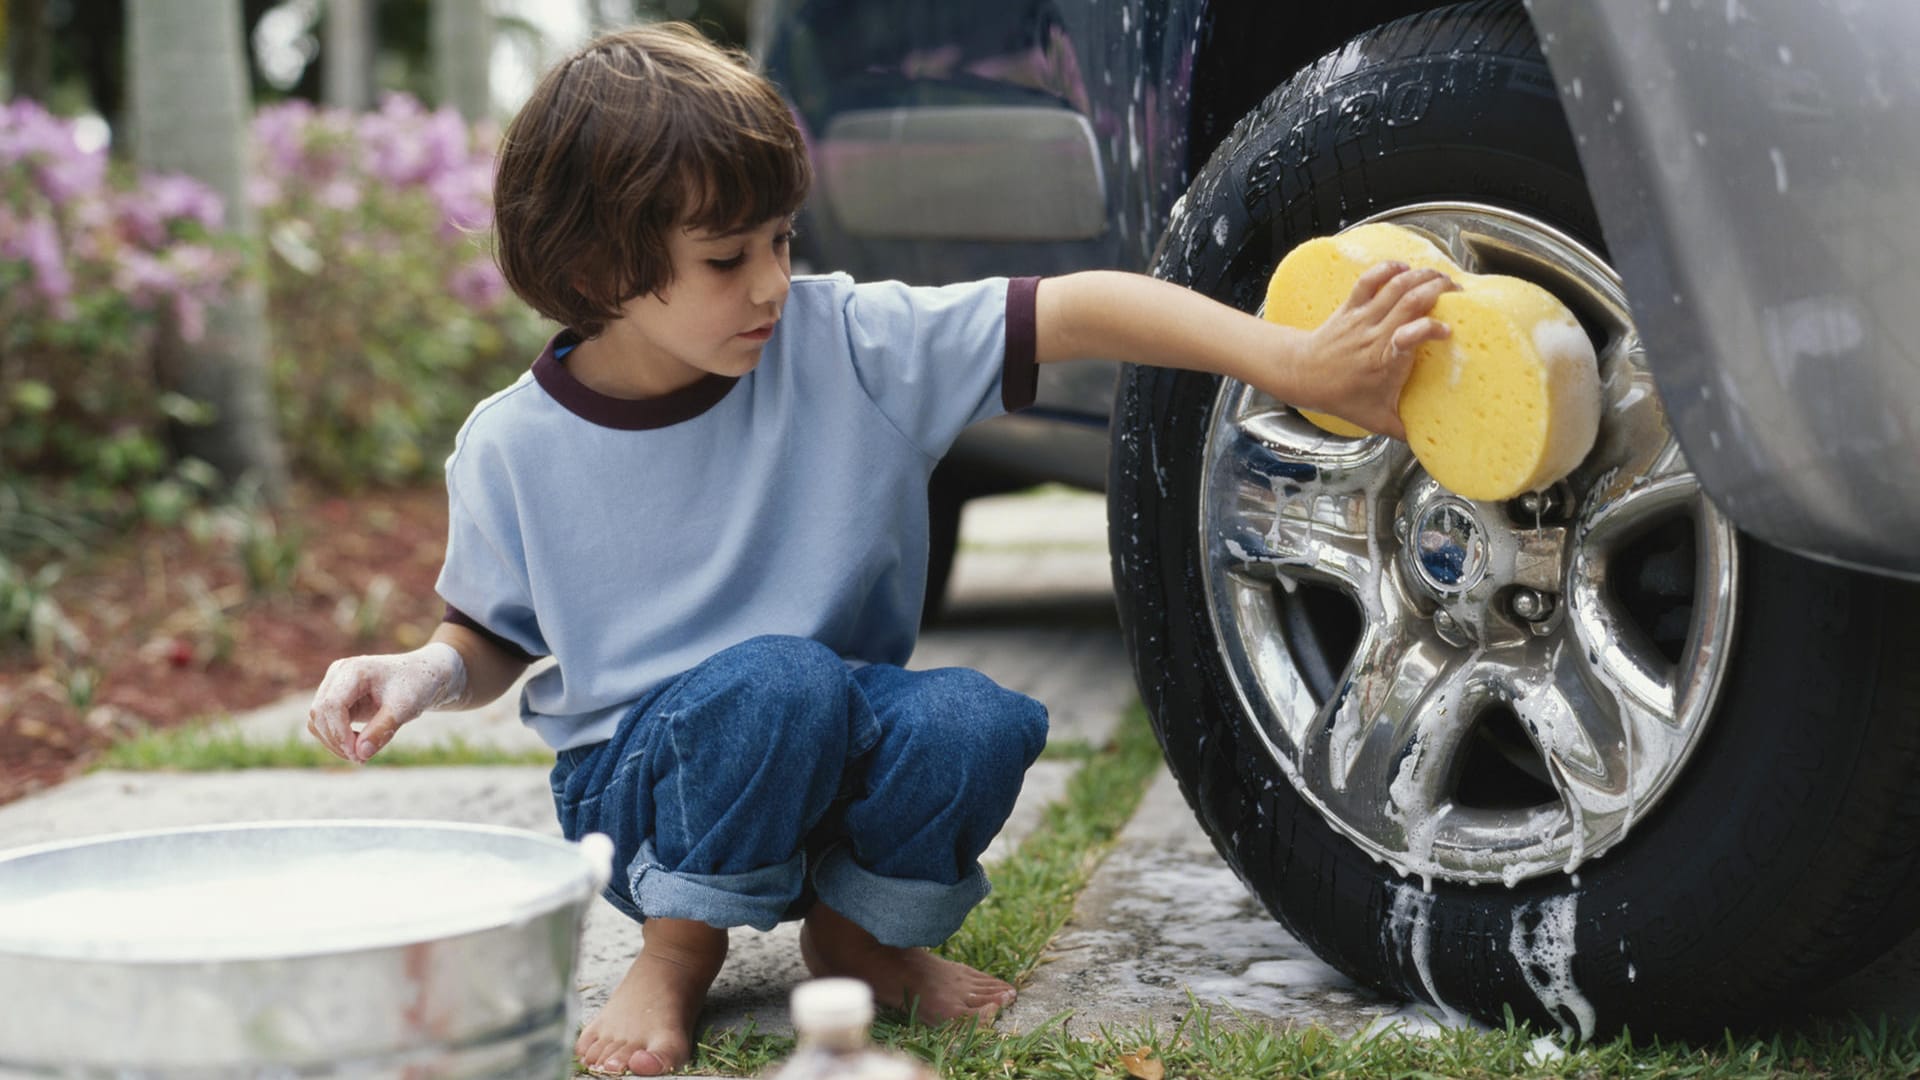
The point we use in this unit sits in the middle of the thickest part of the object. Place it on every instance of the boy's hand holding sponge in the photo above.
(1508, 403)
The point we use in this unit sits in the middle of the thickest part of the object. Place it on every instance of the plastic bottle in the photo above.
(831, 1018)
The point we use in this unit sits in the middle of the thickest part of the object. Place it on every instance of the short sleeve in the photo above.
(484, 586)
(936, 359)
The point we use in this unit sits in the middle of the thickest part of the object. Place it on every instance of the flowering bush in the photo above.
(90, 257)
(390, 320)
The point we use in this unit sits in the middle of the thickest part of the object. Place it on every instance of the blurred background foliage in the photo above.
(370, 185)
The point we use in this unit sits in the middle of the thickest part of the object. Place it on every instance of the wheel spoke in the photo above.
(1634, 437)
(1587, 733)
(1278, 518)
(1614, 647)
(1401, 688)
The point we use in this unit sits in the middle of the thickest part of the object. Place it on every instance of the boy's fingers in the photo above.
(331, 717)
(1390, 294)
(1419, 300)
(1419, 331)
(375, 735)
(1372, 279)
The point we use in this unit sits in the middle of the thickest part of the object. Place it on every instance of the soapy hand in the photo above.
(380, 693)
(1363, 352)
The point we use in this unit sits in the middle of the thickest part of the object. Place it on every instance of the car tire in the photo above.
(946, 497)
(1781, 844)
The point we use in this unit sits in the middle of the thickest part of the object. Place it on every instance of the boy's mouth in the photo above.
(759, 333)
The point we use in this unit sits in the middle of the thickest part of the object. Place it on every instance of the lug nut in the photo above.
(1535, 507)
(1443, 619)
(1532, 605)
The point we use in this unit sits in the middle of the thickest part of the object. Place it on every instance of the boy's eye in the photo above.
(780, 240)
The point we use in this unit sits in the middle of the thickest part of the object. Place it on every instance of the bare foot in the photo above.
(935, 990)
(647, 1025)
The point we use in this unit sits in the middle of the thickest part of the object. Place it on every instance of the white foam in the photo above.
(1545, 957)
(1544, 1051)
(1410, 928)
(321, 903)
(1570, 373)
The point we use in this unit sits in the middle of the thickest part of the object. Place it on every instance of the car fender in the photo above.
(1756, 164)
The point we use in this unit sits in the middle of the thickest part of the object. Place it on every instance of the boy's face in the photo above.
(718, 311)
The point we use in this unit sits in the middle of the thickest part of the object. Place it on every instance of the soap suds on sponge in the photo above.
(1510, 403)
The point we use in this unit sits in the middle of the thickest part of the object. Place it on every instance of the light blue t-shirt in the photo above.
(632, 540)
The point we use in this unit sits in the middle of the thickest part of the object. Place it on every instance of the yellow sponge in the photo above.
(1508, 404)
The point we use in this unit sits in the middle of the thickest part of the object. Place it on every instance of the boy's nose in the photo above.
(770, 281)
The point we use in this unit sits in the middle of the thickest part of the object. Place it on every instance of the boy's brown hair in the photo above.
(641, 131)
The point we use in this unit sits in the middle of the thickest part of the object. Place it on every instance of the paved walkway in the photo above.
(1032, 606)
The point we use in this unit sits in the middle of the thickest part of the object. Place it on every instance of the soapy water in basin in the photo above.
(321, 903)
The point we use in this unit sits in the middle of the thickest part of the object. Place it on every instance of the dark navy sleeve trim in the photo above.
(460, 618)
(1021, 379)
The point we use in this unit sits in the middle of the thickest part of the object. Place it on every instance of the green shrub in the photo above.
(92, 258)
(390, 320)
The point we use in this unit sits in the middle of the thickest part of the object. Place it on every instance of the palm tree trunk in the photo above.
(347, 56)
(462, 46)
(190, 116)
(29, 49)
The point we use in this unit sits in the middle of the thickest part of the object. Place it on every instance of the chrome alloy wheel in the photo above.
(1473, 691)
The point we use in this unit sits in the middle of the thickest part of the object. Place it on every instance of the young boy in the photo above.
(707, 502)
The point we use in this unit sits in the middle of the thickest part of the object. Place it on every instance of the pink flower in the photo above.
(40, 244)
(182, 198)
(279, 136)
(189, 317)
(478, 284)
(465, 199)
(339, 193)
(62, 171)
(141, 278)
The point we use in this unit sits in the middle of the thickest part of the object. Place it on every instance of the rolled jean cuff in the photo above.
(756, 898)
(898, 911)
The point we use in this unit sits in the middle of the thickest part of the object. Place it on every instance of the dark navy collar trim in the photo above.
(624, 414)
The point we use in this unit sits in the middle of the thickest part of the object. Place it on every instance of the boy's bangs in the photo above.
(741, 184)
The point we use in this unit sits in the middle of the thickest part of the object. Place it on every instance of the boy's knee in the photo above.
(1002, 730)
(783, 688)
(793, 668)
(1022, 723)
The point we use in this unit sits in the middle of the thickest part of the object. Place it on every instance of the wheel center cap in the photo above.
(1449, 546)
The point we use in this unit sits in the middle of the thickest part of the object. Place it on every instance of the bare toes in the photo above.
(589, 1053)
(648, 1063)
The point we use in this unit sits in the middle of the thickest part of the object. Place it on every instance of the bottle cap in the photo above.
(831, 1004)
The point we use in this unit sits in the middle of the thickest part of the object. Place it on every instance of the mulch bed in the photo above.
(174, 632)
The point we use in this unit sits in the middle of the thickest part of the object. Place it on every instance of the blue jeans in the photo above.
(774, 774)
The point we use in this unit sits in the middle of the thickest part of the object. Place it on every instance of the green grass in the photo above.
(1069, 750)
(216, 749)
(1205, 1047)
(1034, 888)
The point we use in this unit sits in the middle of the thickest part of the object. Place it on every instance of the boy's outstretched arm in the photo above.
(456, 669)
(1352, 366)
